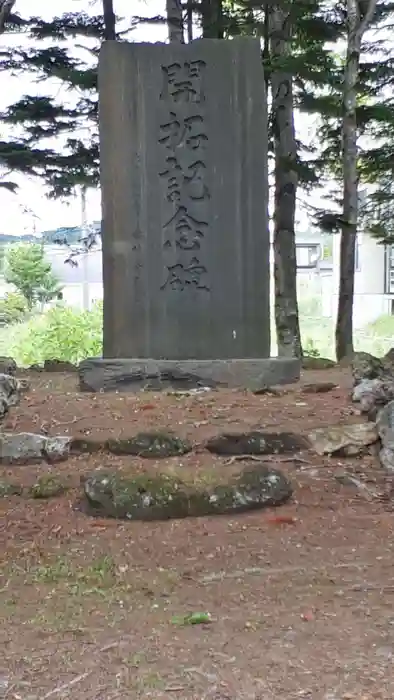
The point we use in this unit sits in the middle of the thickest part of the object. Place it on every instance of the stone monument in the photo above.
(183, 139)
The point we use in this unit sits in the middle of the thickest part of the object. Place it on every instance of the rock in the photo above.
(255, 488)
(319, 388)
(317, 363)
(347, 440)
(385, 425)
(162, 497)
(105, 374)
(59, 366)
(136, 496)
(47, 487)
(154, 444)
(57, 449)
(366, 366)
(114, 376)
(25, 448)
(270, 390)
(371, 393)
(386, 457)
(388, 361)
(256, 443)
(10, 391)
(87, 445)
(9, 489)
(385, 428)
(8, 365)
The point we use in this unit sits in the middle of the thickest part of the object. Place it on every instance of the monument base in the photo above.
(106, 374)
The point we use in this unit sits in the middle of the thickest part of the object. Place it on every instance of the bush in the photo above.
(61, 333)
(28, 270)
(13, 308)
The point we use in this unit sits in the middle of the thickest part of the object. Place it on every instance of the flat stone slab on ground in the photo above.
(27, 448)
(102, 374)
(133, 496)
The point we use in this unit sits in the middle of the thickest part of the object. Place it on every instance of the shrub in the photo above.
(62, 333)
(28, 270)
(13, 308)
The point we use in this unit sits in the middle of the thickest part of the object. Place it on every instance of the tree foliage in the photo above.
(56, 139)
(30, 273)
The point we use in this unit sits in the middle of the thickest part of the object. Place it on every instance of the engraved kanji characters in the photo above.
(182, 136)
(191, 182)
(183, 82)
(185, 132)
(180, 276)
(189, 230)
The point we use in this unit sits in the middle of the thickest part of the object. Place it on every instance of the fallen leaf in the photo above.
(308, 616)
(282, 520)
(197, 618)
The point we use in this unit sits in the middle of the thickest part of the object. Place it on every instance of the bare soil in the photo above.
(300, 598)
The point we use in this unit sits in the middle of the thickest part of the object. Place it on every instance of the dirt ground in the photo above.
(300, 599)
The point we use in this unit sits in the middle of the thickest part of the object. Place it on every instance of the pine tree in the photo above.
(353, 106)
(75, 159)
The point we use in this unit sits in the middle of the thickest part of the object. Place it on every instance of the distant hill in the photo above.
(61, 236)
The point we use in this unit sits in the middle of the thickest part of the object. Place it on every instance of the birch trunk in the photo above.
(286, 180)
(356, 27)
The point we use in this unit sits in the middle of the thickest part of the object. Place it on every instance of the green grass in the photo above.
(317, 332)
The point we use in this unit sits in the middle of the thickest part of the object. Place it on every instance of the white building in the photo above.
(373, 281)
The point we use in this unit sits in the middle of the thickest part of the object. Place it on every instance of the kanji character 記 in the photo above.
(182, 82)
(194, 181)
(181, 276)
(189, 231)
(174, 176)
(190, 183)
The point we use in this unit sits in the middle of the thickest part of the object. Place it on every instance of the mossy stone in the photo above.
(256, 443)
(150, 445)
(317, 363)
(87, 445)
(47, 487)
(162, 497)
(136, 497)
(9, 489)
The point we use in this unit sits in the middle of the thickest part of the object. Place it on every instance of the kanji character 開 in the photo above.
(182, 82)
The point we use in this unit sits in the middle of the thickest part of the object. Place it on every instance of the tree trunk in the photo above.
(109, 20)
(175, 21)
(6, 7)
(212, 19)
(189, 21)
(286, 180)
(356, 27)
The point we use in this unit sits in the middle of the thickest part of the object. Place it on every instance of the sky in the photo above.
(30, 209)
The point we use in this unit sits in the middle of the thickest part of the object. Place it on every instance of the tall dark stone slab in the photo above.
(183, 140)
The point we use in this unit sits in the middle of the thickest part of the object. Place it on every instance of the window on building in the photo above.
(389, 271)
(357, 257)
(307, 255)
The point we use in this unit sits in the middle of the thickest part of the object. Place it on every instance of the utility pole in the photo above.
(84, 265)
